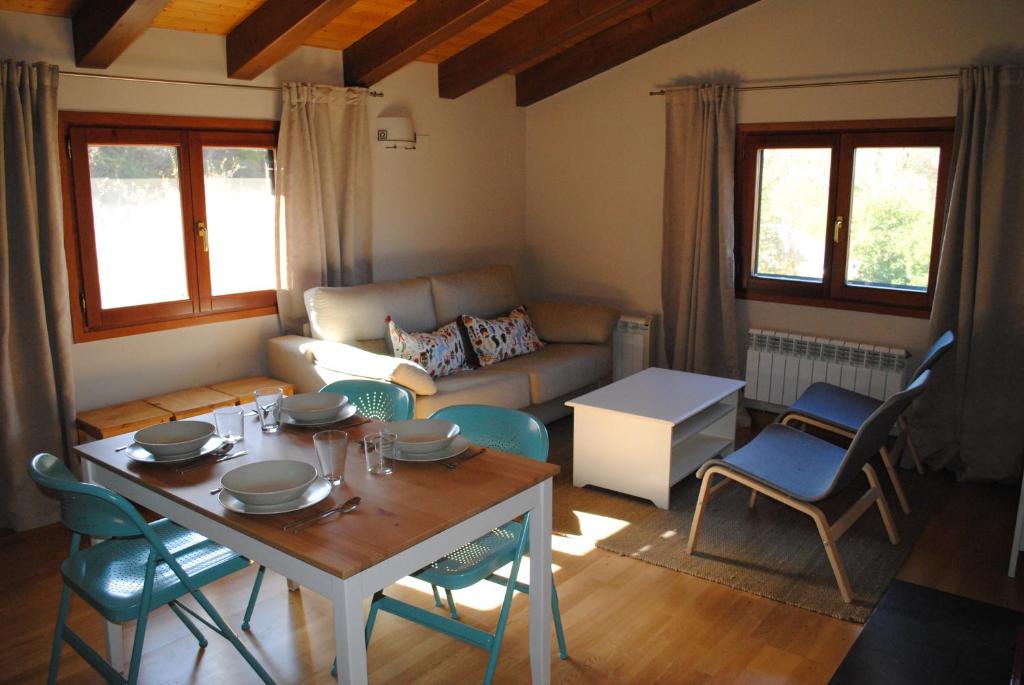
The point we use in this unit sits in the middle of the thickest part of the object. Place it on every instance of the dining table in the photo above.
(404, 521)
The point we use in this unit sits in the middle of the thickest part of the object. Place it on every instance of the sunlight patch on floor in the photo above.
(483, 596)
(576, 545)
(596, 527)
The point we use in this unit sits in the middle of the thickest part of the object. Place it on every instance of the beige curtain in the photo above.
(697, 288)
(970, 419)
(36, 385)
(323, 194)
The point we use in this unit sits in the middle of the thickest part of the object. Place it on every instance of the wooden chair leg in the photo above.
(894, 477)
(825, 532)
(698, 513)
(883, 507)
(905, 430)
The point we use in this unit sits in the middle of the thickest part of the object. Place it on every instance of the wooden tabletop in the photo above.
(398, 511)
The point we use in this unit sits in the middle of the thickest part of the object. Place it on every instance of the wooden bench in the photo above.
(131, 416)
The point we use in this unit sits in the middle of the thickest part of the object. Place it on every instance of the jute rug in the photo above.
(770, 550)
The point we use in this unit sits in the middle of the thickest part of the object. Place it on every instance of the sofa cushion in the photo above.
(441, 353)
(565, 322)
(495, 340)
(486, 292)
(358, 313)
(561, 368)
(480, 386)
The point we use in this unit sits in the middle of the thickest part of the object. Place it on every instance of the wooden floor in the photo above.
(625, 621)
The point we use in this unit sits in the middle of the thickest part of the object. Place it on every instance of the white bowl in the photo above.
(174, 437)
(313, 406)
(422, 436)
(269, 482)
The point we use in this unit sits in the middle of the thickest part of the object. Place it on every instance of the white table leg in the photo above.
(349, 643)
(113, 633)
(540, 586)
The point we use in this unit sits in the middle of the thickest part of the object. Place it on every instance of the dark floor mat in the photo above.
(921, 635)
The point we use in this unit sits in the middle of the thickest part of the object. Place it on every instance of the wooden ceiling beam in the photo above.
(410, 34)
(103, 29)
(645, 31)
(529, 37)
(274, 31)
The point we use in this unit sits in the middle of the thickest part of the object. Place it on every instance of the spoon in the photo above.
(344, 508)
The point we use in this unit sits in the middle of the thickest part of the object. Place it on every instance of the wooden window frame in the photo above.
(843, 137)
(189, 134)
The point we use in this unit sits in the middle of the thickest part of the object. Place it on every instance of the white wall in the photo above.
(595, 152)
(459, 201)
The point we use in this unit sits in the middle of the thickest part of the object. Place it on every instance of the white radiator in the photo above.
(631, 345)
(781, 365)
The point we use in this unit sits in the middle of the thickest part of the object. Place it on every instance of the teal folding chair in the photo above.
(140, 567)
(376, 399)
(509, 431)
(372, 399)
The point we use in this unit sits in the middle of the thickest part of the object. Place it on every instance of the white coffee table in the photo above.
(643, 434)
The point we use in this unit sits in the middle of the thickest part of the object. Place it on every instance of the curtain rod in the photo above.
(822, 84)
(140, 79)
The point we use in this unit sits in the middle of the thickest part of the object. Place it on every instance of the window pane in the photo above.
(792, 213)
(240, 218)
(136, 206)
(892, 215)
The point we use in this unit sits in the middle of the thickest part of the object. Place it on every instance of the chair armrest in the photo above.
(567, 322)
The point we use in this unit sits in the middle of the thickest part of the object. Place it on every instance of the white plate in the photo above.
(141, 454)
(346, 412)
(314, 494)
(457, 447)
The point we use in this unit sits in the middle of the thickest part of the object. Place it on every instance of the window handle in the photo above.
(838, 228)
(201, 225)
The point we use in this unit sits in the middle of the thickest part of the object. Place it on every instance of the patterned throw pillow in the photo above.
(494, 340)
(440, 352)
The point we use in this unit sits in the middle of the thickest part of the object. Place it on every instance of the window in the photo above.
(842, 214)
(170, 221)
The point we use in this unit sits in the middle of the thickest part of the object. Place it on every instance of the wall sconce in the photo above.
(396, 133)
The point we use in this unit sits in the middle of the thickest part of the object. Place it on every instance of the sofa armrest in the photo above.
(290, 360)
(296, 357)
(567, 322)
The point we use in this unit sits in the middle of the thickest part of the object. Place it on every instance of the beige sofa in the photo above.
(348, 341)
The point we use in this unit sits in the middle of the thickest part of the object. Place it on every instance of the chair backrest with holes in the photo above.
(507, 430)
(376, 399)
(86, 509)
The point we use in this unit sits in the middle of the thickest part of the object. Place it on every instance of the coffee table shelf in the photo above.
(643, 434)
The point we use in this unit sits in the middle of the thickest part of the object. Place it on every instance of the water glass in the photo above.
(268, 407)
(230, 423)
(331, 447)
(379, 449)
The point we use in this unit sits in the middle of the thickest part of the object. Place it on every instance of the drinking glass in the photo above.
(230, 423)
(268, 407)
(331, 447)
(379, 449)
